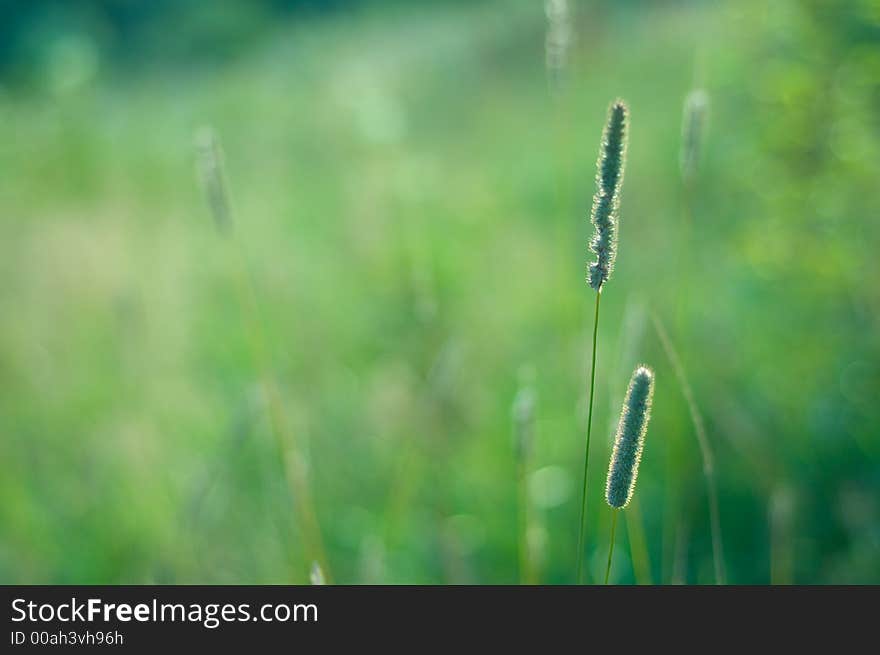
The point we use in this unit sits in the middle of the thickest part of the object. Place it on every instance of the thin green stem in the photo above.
(611, 547)
(705, 449)
(289, 454)
(211, 163)
(580, 548)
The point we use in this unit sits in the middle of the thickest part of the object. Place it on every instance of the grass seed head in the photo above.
(213, 177)
(559, 39)
(316, 576)
(630, 438)
(693, 127)
(606, 202)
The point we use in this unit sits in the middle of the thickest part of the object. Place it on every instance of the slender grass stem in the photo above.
(611, 546)
(705, 449)
(580, 548)
(284, 437)
(214, 181)
(683, 258)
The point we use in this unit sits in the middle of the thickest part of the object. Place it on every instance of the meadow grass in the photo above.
(604, 216)
(703, 443)
(623, 468)
(213, 176)
(396, 170)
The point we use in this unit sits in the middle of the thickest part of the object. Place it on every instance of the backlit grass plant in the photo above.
(693, 135)
(212, 173)
(629, 442)
(704, 447)
(604, 216)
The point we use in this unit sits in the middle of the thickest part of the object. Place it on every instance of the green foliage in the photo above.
(411, 201)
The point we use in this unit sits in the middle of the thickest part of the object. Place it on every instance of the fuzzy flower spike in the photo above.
(630, 439)
(606, 202)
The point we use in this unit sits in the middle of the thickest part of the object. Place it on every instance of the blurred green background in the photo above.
(411, 185)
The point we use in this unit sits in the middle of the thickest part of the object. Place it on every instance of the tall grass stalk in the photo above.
(693, 133)
(604, 216)
(693, 128)
(212, 173)
(583, 517)
(611, 544)
(705, 449)
(558, 42)
(630, 336)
